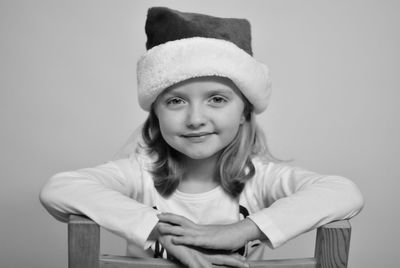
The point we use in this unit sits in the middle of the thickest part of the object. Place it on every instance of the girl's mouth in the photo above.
(197, 137)
(196, 134)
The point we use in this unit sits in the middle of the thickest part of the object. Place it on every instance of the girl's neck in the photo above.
(199, 175)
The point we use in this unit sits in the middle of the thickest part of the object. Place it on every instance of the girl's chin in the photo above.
(199, 155)
(197, 152)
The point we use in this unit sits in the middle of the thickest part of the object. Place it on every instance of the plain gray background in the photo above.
(68, 100)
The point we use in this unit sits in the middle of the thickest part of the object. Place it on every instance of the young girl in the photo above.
(201, 186)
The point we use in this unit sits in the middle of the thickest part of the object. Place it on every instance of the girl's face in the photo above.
(201, 116)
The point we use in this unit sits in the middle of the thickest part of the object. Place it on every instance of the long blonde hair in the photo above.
(235, 161)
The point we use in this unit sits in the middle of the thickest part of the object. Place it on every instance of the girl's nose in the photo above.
(196, 116)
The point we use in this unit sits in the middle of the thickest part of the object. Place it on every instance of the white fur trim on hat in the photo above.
(175, 61)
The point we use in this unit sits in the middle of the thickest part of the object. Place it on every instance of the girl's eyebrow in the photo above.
(224, 91)
(215, 91)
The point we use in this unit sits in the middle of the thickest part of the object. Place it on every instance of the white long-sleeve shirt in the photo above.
(283, 201)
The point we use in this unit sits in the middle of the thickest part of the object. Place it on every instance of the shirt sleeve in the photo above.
(294, 200)
(106, 194)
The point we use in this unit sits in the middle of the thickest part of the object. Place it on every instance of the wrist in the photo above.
(250, 231)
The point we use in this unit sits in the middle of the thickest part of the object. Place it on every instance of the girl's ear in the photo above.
(242, 119)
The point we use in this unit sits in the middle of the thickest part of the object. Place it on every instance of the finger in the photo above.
(203, 262)
(167, 229)
(188, 261)
(194, 262)
(175, 219)
(239, 257)
(228, 260)
(192, 259)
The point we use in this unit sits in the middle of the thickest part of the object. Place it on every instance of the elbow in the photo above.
(346, 199)
(49, 198)
(48, 194)
(355, 199)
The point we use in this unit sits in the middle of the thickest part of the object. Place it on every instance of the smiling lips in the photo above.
(197, 136)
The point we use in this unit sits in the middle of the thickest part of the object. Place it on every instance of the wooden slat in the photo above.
(83, 243)
(332, 245)
(337, 224)
(110, 261)
(286, 263)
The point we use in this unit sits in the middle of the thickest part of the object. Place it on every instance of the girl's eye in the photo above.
(174, 101)
(218, 100)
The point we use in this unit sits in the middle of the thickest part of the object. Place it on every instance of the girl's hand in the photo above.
(225, 237)
(193, 258)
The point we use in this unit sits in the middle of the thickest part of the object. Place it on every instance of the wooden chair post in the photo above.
(332, 245)
(83, 243)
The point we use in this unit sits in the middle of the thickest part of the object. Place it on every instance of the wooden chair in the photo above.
(331, 249)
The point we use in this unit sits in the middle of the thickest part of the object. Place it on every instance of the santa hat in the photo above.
(187, 45)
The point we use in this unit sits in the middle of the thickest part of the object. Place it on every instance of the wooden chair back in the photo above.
(331, 249)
